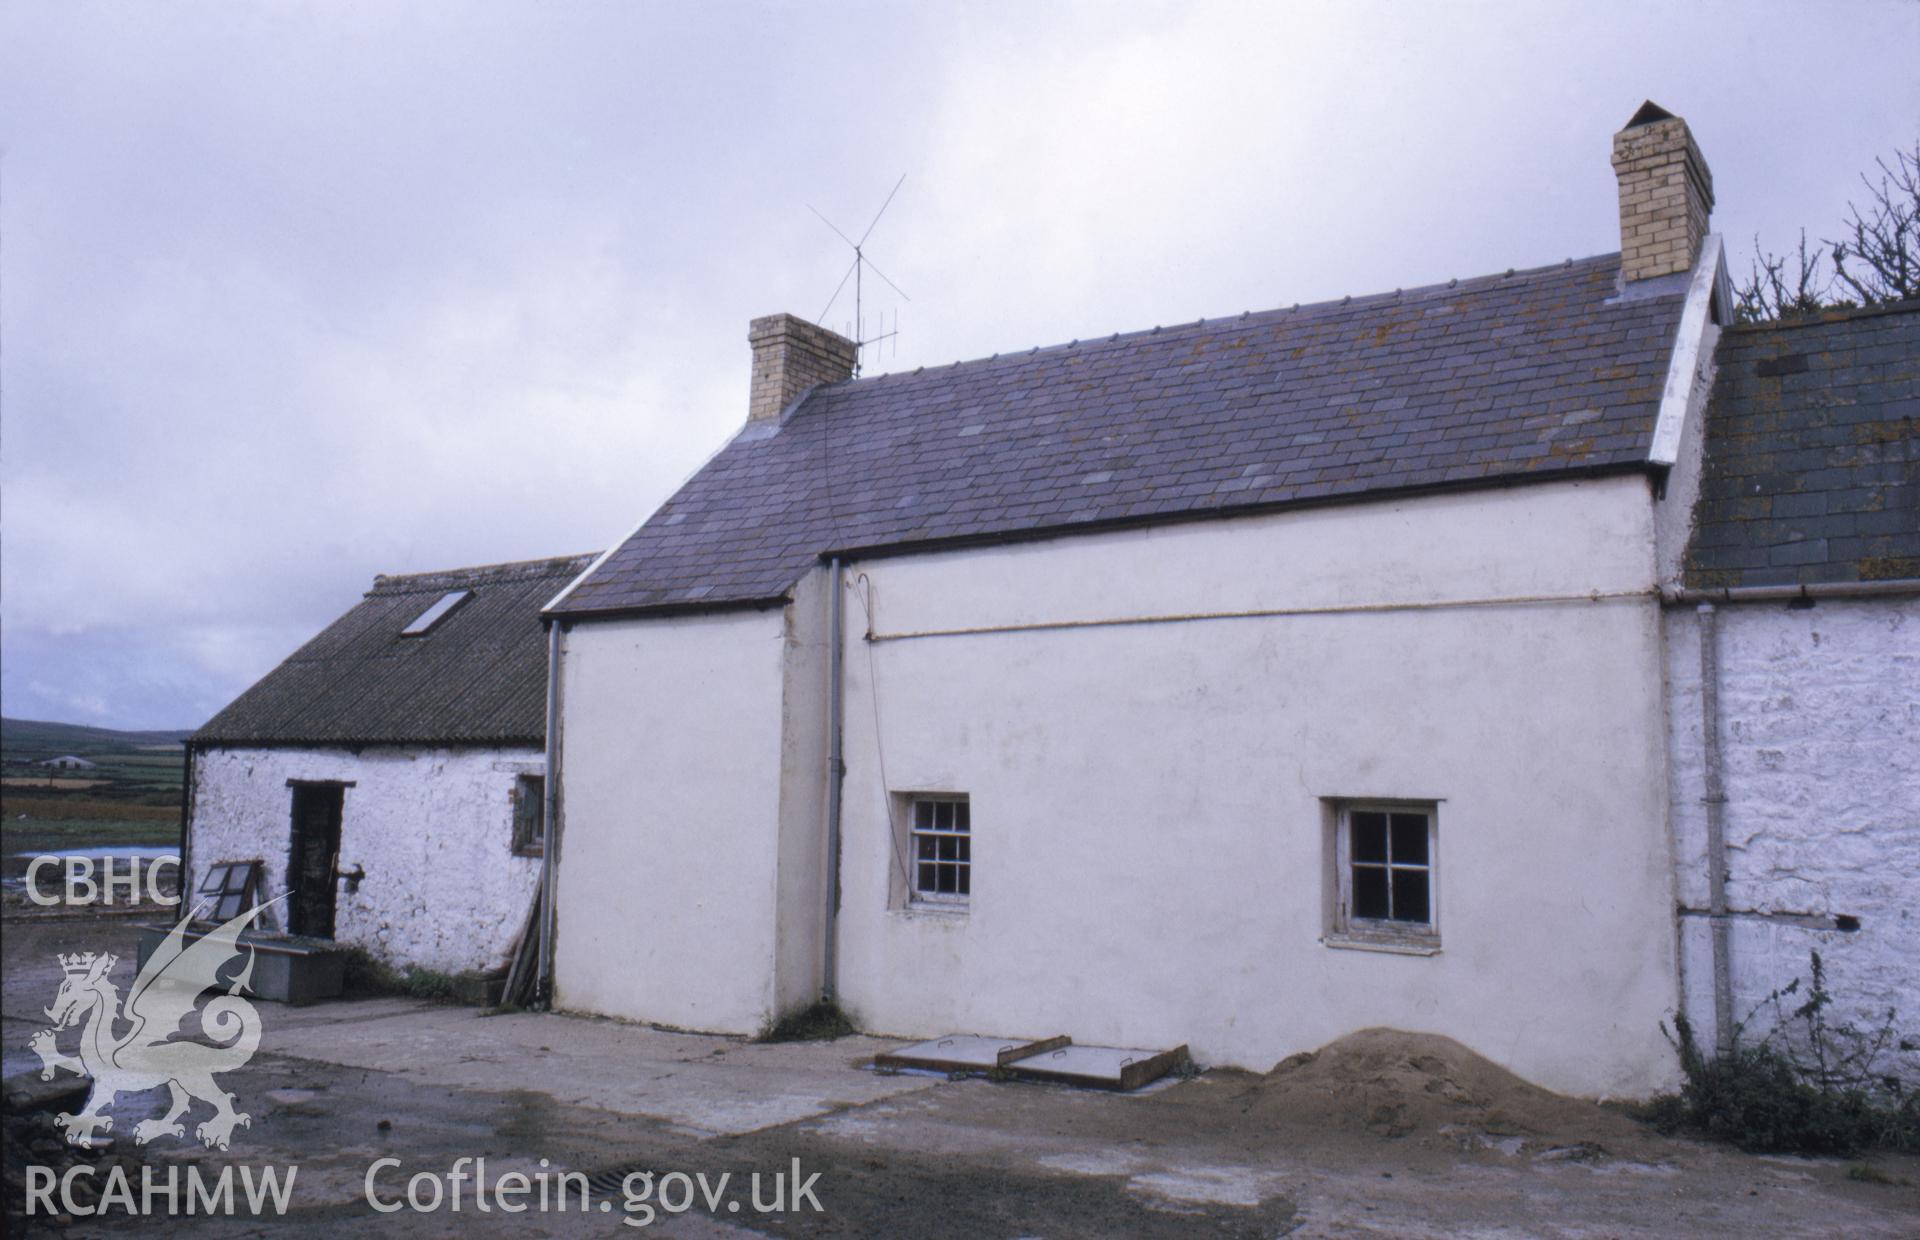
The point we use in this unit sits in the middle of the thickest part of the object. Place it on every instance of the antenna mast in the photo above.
(858, 272)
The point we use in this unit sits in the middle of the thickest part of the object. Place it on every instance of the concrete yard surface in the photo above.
(1381, 1134)
(701, 1085)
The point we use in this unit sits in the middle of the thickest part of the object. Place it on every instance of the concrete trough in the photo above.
(286, 968)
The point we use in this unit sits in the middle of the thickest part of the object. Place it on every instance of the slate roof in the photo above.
(1812, 471)
(1526, 375)
(477, 677)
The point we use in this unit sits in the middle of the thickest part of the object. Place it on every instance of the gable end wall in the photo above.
(671, 789)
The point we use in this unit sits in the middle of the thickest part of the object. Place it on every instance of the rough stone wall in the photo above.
(1820, 737)
(433, 828)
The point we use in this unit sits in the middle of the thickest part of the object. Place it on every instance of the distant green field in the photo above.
(130, 796)
(130, 769)
(43, 835)
(61, 809)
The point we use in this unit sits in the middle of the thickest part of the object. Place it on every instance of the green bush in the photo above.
(1828, 1099)
(428, 984)
(367, 977)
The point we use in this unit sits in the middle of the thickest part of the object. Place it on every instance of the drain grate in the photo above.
(607, 1182)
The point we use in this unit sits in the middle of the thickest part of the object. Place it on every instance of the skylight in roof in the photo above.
(436, 613)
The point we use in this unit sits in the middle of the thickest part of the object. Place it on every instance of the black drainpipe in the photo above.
(186, 824)
(549, 813)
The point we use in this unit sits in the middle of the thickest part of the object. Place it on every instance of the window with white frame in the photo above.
(940, 832)
(1385, 861)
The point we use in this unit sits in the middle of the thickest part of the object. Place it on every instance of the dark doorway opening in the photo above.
(316, 851)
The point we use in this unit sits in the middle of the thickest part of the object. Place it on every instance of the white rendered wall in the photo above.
(671, 799)
(1148, 798)
(1820, 739)
(433, 828)
(801, 916)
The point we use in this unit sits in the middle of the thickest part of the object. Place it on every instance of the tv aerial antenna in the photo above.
(857, 273)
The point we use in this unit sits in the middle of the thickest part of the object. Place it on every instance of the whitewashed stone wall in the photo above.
(1820, 735)
(433, 828)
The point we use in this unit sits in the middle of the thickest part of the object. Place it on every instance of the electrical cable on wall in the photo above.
(879, 748)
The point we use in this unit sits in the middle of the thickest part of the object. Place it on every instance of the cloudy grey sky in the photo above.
(293, 294)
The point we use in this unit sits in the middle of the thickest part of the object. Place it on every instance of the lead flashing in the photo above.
(1685, 386)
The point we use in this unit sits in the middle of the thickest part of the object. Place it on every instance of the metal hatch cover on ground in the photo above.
(1054, 1059)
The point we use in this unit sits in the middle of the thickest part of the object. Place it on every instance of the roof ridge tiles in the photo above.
(1843, 314)
(1248, 319)
(480, 574)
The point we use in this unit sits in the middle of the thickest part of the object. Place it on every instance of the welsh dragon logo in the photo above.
(153, 1047)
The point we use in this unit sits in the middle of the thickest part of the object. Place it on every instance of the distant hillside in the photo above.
(129, 794)
(26, 738)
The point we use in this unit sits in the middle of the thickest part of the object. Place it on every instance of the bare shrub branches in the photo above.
(1880, 258)
(1875, 261)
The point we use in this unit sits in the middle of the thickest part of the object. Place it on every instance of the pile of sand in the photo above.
(1395, 1084)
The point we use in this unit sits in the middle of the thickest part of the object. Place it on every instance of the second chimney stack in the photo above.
(1666, 194)
(791, 355)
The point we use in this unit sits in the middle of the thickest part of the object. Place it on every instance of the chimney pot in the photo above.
(1666, 194)
(791, 355)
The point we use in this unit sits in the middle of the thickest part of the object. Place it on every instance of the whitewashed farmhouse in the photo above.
(1528, 660)
(1249, 681)
(389, 776)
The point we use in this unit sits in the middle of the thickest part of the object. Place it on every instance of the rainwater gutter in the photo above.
(836, 774)
(1805, 595)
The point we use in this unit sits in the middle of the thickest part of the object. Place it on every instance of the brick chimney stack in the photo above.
(790, 355)
(1666, 194)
